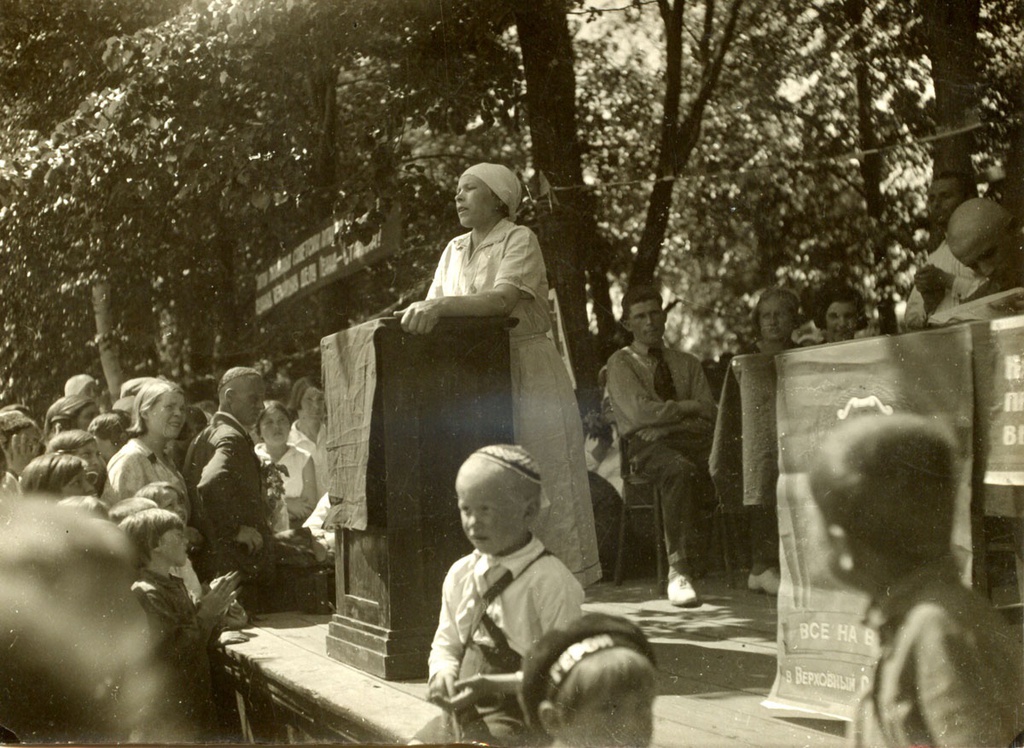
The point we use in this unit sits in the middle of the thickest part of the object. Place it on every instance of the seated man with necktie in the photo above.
(666, 414)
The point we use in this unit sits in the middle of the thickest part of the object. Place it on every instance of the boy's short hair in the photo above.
(69, 441)
(550, 661)
(89, 504)
(50, 472)
(12, 422)
(513, 459)
(127, 507)
(637, 295)
(889, 482)
(110, 426)
(144, 529)
(154, 489)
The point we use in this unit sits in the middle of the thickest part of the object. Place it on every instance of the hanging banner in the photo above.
(826, 653)
(1005, 464)
(320, 259)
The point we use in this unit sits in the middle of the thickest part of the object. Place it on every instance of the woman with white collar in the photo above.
(497, 269)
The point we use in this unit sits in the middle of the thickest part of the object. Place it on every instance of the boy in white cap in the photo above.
(500, 599)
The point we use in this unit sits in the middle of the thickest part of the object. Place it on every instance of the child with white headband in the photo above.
(496, 603)
(592, 684)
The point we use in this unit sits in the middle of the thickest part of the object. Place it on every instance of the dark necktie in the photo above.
(663, 386)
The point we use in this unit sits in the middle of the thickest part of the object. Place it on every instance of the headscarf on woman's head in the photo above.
(502, 181)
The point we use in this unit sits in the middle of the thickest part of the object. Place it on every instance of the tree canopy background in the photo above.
(173, 148)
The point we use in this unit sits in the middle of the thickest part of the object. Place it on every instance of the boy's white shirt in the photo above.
(550, 598)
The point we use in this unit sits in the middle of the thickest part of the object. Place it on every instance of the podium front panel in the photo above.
(437, 398)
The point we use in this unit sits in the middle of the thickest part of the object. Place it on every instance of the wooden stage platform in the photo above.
(717, 664)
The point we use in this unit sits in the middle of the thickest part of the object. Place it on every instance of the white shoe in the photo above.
(767, 582)
(681, 593)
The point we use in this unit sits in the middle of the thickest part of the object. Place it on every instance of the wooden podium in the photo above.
(437, 398)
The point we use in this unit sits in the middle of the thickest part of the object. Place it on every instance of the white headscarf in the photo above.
(502, 181)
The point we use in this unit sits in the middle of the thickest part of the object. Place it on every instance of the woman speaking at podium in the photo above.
(497, 269)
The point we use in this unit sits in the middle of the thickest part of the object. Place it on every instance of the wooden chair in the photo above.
(639, 494)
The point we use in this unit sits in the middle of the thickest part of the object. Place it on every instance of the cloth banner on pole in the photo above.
(744, 460)
(826, 653)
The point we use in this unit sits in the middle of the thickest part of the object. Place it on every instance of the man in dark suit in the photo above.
(226, 486)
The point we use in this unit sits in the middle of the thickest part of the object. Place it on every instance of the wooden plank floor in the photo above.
(716, 663)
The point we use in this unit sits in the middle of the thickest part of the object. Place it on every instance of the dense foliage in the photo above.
(175, 147)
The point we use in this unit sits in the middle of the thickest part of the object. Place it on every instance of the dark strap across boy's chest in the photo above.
(500, 658)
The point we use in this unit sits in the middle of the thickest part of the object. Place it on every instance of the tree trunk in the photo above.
(567, 228)
(951, 27)
(679, 138)
(106, 342)
(871, 168)
(1013, 191)
(660, 203)
(321, 89)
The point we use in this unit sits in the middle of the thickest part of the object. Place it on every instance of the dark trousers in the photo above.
(682, 482)
(497, 720)
(764, 537)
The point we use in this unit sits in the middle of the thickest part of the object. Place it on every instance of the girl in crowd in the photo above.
(166, 496)
(72, 412)
(58, 475)
(157, 417)
(84, 445)
(300, 487)
(497, 269)
(776, 316)
(591, 683)
(840, 313)
(309, 431)
(110, 430)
